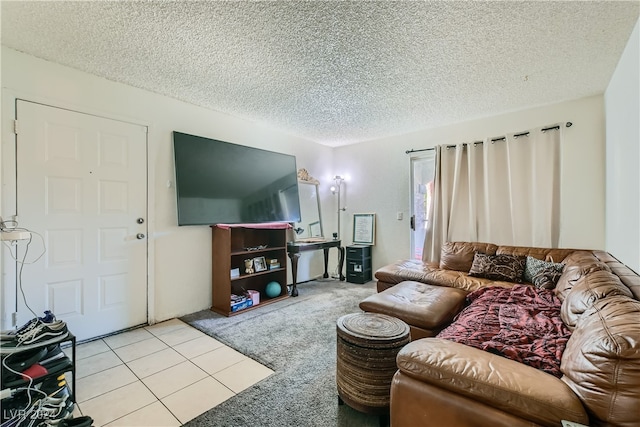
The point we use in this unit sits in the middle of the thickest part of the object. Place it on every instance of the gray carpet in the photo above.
(296, 338)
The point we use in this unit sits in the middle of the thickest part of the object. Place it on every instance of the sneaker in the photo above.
(21, 408)
(45, 411)
(12, 408)
(43, 332)
(10, 334)
(36, 336)
(55, 386)
(18, 362)
(53, 410)
(48, 411)
(54, 352)
(57, 366)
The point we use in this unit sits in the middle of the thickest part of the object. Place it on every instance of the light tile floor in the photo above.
(160, 375)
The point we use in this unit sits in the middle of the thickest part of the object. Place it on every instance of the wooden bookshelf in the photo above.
(231, 246)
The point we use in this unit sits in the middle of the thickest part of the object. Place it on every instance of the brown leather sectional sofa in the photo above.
(444, 383)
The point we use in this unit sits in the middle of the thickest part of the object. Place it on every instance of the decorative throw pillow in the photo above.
(508, 268)
(534, 267)
(547, 278)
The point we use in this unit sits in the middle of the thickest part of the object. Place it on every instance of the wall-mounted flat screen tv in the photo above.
(220, 182)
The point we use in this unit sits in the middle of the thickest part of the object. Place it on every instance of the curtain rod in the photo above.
(421, 149)
(568, 124)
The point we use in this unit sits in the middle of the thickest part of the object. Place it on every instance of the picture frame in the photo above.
(364, 228)
(314, 229)
(260, 264)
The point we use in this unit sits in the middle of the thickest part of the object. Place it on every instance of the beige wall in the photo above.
(180, 275)
(379, 172)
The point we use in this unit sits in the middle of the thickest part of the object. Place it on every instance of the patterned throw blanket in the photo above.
(522, 323)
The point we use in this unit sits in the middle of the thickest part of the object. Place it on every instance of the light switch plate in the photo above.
(14, 235)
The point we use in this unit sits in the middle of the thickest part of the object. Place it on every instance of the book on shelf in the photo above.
(239, 302)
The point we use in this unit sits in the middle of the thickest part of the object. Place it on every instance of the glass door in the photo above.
(422, 176)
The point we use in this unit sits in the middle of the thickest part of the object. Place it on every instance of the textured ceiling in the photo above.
(336, 72)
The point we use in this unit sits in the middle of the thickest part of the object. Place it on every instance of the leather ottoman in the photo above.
(425, 308)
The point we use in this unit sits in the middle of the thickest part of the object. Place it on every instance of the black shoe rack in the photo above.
(9, 387)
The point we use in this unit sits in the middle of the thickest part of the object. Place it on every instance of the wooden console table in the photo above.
(295, 248)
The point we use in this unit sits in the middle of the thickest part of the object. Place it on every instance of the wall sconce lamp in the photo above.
(335, 189)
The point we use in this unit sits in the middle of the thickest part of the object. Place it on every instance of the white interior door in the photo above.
(82, 185)
(422, 176)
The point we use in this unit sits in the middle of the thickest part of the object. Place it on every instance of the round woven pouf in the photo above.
(366, 361)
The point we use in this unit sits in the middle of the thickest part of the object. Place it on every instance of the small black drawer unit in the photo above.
(358, 264)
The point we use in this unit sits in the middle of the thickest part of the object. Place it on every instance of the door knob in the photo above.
(140, 220)
(139, 236)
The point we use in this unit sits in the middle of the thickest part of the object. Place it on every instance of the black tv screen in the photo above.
(220, 182)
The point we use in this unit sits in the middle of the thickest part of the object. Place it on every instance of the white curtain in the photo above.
(504, 191)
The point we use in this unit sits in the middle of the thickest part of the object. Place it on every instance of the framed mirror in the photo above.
(309, 228)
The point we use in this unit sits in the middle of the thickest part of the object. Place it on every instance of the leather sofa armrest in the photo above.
(491, 379)
(418, 404)
(407, 269)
